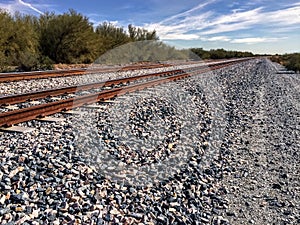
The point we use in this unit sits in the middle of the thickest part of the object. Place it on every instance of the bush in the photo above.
(46, 63)
(290, 61)
(27, 61)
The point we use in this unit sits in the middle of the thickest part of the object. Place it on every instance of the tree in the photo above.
(203, 54)
(110, 36)
(6, 35)
(292, 61)
(68, 38)
(18, 42)
(26, 52)
(220, 53)
(140, 34)
(29, 42)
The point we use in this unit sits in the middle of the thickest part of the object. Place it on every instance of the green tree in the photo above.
(6, 35)
(292, 61)
(18, 42)
(26, 52)
(140, 34)
(203, 54)
(219, 53)
(29, 42)
(68, 38)
(110, 36)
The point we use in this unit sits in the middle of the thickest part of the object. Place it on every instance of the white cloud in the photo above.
(19, 6)
(11, 7)
(197, 22)
(248, 19)
(254, 40)
(224, 27)
(178, 36)
(248, 40)
(295, 4)
(30, 6)
(216, 38)
(237, 17)
(288, 16)
(180, 27)
(188, 12)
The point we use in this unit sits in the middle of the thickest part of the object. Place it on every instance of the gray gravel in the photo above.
(262, 148)
(49, 99)
(252, 177)
(25, 86)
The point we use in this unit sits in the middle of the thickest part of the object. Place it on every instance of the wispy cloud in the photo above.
(19, 6)
(202, 21)
(180, 28)
(255, 40)
(248, 40)
(178, 36)
(284, 17)
(293, 4)
(188, 12)
(233, 22)
(179, 25)
(216, 38)
(30, 6)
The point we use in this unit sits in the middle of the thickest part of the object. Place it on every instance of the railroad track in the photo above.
(13, 99)
(21, 115)
(9, 77)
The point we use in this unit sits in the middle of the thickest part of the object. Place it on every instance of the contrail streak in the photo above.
(30, 6)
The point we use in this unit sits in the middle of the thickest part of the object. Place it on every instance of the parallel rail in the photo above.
(30, 113)
(9, 77)
(13, 99)
(17, 116)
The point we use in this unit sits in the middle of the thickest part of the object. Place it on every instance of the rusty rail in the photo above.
(13, 99)
(17, 116)
(26, 114)
(8, 77)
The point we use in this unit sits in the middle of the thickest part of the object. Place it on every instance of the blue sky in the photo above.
(260, 26)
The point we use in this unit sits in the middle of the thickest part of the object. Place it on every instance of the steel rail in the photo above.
(9, 77)
(17, 116)
(30, 113)
(13, 99)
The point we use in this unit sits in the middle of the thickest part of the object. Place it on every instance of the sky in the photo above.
(259, 26)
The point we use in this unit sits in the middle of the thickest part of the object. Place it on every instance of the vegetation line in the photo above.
(290, 61)
(37, 43)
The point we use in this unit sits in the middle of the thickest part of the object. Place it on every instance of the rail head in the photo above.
(30, 113)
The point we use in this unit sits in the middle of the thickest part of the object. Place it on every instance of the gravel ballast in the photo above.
(242, 168)
(27, 86)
